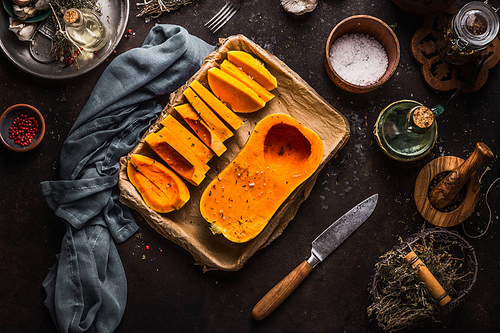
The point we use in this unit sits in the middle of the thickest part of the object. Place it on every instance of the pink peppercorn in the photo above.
(23, 130)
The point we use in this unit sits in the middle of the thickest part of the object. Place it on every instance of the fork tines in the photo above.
(221, 18)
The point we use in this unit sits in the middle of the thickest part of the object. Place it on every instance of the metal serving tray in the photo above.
(114, 16)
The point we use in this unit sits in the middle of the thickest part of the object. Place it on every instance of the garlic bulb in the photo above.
(21, 3)
(24, 13)
(299, 7)
(42, 5)
(24, 31)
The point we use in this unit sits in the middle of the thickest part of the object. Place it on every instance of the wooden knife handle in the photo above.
(448, 188)
(281, 291)
(424, 275)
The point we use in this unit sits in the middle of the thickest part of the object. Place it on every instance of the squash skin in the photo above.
(231, 69)
(254, 68)
(216, 105)
(161, 189)
(174, 160)
(279, 156)
(233, 92)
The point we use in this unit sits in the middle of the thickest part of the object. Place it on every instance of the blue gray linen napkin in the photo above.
(87, 288)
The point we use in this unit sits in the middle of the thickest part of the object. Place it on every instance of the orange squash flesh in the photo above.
(279, 156)
(238, 74)
(162, 190)
(234, 93)
(216, 125)
(216, 105)
(254, 68)
(189, 139)
(174, 160)
(181, 148)
(201, 128)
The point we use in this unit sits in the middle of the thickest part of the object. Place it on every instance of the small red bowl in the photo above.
(8, 118)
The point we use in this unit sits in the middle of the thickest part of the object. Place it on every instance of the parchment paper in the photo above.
(186, 227)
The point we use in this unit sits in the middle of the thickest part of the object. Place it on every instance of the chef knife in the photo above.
(322, 246)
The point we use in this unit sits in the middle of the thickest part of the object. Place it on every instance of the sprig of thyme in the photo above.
(63, 46)
(154, 8)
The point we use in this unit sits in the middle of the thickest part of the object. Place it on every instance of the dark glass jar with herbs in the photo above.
(468, 32)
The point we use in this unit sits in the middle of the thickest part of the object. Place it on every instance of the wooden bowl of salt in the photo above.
(361, 54)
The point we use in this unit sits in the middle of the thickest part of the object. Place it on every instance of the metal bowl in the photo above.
(114, 16)
(374, 27)
(8, 118)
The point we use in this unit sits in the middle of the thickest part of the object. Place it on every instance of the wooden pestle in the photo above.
(424, 275)
(444, 192)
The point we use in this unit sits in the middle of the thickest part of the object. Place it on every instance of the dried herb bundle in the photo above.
(400, 299)
(62, 45)
(154, 8)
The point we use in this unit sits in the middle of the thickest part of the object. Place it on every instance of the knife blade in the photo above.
(322, 246)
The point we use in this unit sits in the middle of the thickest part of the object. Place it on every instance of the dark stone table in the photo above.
(167, 292)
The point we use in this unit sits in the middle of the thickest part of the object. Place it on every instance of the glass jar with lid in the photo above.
(468, 32)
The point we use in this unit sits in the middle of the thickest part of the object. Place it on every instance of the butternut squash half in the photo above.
(161, 189)
(279, 155)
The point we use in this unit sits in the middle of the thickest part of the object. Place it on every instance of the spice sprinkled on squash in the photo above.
(174, 160)
(161, 189)
(215, 123)
(279, 156)
(239, 74)
(189, 139)
(233, 92)
(200, 127)
(254, 68)
(216, 105)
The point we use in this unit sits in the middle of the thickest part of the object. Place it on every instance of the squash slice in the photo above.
(216, 125)
(279, 155)
(162, 190)
(229, 68)
(201, 128)
(189, 139)
(174, 160)
(254, 68)
(233, 92)
(182, 149)
(216, 105)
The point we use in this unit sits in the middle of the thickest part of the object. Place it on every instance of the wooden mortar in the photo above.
(444, 192)
(462, 174)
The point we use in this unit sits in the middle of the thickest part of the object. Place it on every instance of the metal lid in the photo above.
(476, 25)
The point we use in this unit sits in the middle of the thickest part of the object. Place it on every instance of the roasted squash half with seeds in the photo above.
(279, 155)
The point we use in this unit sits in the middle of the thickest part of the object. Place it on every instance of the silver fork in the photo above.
(223, 15)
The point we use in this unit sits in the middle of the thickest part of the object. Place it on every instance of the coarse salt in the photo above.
(358, 58)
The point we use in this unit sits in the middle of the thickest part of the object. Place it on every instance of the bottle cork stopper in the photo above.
(423, 117)
(423, 273)
(71, 16)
